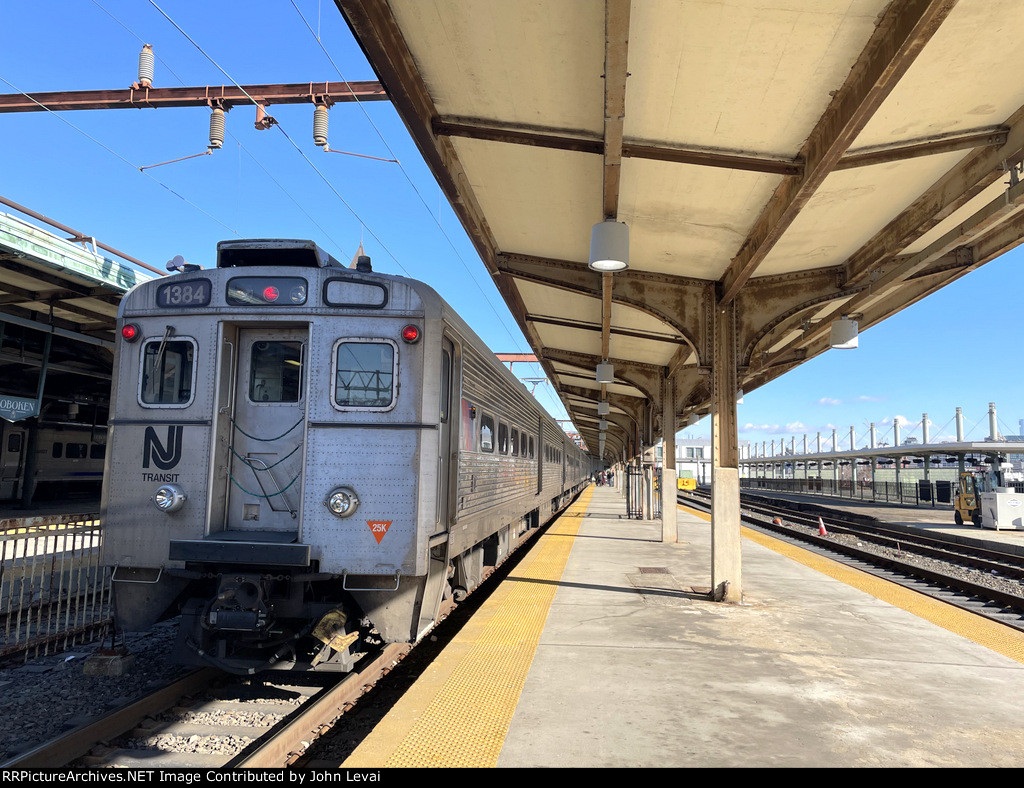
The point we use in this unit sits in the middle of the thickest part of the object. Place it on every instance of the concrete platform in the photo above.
(632, 665)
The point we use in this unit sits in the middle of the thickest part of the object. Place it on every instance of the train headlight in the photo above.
(341, 501)
(169, 498)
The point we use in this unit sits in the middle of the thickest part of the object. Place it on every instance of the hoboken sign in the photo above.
(18, 408)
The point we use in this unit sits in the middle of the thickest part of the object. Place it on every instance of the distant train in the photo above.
(68, 461)
(305, 458)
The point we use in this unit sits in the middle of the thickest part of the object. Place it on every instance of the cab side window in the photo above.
(364, 374)
(168, 370)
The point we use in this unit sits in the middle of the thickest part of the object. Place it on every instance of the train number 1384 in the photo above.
(184, 294)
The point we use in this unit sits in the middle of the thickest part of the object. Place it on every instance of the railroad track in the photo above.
(207, 719)
(970, 577)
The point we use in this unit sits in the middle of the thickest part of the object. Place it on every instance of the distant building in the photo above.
(693, 457)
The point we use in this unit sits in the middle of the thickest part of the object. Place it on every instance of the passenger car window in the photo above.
(502, 438)
(275, 372)
(167, 372)
(75, 451)
(515, 442)
(486, 433)
(364, 374)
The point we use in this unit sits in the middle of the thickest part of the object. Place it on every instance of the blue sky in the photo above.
(958, 347)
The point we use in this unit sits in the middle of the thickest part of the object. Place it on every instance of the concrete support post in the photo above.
(960, 437)
(726, 580)
(835, 461)
(853, 462)
(924, 440)
(668, 461)
(874, 460)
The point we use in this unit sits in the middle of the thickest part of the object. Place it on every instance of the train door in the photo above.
(12, 460)
(438, 560)
(541, 451)
(267, 430)
(444, 460)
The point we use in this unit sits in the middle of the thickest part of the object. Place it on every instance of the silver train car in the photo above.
(304, 459)
(68, 462)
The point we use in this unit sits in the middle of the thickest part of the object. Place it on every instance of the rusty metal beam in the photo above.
(905, 28)
(954, 190)
(987, 231)
(226, 96)
(616, 46)
(901, 151)
(584, 325)
(671, 299)
(582, 142)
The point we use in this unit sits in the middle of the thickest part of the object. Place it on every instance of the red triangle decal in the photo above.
(378, 528)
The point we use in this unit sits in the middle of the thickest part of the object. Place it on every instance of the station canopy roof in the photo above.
(58, 309)
(799, 160)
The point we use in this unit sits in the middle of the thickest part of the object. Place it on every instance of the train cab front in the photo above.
(261, 457)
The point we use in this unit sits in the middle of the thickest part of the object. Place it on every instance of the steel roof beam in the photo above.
(582, 142)
(984, 231)
(904, 29)
(584, 325)
(951, 192)
(225, 96)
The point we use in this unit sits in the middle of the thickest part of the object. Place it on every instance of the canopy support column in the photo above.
(726, 579)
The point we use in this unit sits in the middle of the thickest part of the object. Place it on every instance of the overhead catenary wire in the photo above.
(165, 65)
(278, 126)
(114, 153)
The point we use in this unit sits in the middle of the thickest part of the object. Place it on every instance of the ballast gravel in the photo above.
(49, 695)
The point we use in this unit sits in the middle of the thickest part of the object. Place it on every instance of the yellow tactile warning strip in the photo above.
(458, 713)
(994, 636)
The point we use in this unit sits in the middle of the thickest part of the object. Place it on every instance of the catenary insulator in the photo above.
(320, 125)
(217, 128)
(146, 66)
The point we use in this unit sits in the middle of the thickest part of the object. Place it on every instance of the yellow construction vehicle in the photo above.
(967, 505)
(685, 481)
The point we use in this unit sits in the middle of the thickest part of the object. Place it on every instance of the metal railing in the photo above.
(917, 492)
(54, 593)
(633, 478)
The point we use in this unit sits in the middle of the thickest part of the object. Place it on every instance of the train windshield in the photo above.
(364, 374)
(167, 372)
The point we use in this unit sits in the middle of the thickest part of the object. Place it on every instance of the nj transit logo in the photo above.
(163, 455)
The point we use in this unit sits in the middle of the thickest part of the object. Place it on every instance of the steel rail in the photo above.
(76, 743)
(935, 547)
(283, 745)
(957, 585)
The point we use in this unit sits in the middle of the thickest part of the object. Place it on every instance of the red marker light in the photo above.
(410, 334)
(129, 332)
(271, 293)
